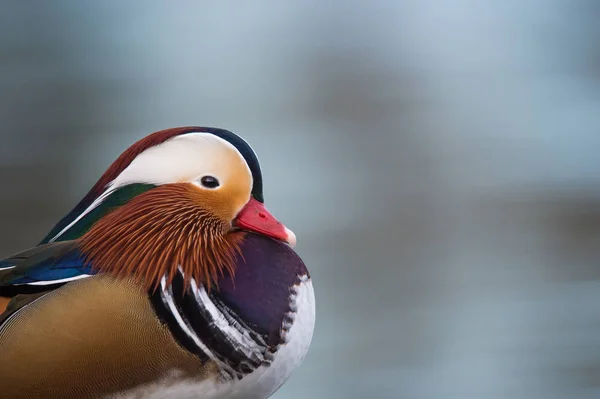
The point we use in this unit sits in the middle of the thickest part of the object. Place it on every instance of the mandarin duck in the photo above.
(169, 279)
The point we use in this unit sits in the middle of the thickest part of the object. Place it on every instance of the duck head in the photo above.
(179, 198)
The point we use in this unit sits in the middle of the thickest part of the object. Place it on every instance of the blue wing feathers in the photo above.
(4, 264)
(50, 274)
(45, 263)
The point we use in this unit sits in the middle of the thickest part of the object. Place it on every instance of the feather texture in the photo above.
(44, 263)
(159, 231)
(127, 157)
(88, 339)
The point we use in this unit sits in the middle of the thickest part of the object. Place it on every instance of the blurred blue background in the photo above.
(438, 161)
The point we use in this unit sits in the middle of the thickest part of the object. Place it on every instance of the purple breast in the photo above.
(260, 291)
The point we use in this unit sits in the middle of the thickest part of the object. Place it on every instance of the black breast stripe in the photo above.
(166, 317)
(223, 346)
(235, 321)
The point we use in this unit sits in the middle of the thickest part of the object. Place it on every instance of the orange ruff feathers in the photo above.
(159, 231)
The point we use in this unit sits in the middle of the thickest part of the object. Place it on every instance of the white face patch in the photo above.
(181, 159)
(185, 158)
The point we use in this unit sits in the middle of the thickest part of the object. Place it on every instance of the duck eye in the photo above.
(209, 182)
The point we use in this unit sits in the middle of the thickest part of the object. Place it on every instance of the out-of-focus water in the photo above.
(438, 161)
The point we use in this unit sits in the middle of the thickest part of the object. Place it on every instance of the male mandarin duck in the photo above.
(169, 279)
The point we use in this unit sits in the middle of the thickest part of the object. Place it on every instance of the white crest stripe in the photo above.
(90, 208)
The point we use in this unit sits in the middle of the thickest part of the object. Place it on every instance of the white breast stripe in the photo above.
(8, 267)
(250, 347)
(263, 381)
(167, 297)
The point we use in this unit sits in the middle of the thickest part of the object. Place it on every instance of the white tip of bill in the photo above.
(291, 237)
